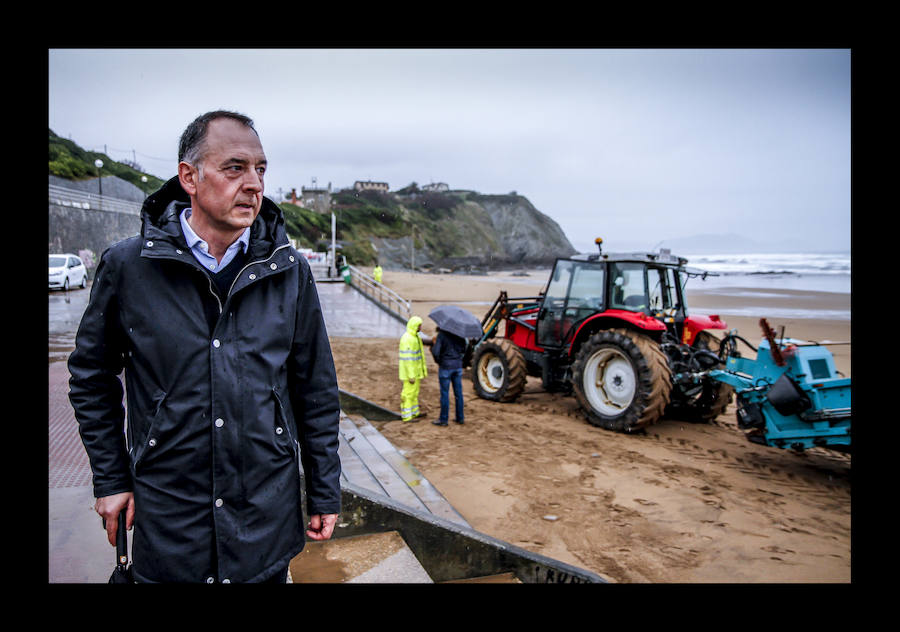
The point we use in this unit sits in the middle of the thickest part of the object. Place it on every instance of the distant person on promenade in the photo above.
(448, 351)
(377, 272)
(231, 385)
(412, 369)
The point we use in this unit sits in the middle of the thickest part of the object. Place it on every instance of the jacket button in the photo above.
(178, 251)
(226, 581)
(219, 502)
(273, 266)
(149, 244)
(210, 580)
(220, 422)
(278, 430)
(216, 343)
(252, 276)
(152, 442)
(291, 258)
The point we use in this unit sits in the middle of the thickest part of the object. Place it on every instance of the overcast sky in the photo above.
(636, 146)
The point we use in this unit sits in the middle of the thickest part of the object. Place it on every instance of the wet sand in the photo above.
(681, 503)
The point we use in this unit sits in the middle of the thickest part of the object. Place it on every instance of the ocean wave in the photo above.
(778, 312)
(778, 263)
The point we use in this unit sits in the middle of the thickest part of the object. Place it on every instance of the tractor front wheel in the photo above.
(621, 380)
(498, 371)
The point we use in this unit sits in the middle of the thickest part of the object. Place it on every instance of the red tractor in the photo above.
(614, 329)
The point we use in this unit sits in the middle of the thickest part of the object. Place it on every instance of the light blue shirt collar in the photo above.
(200, 249)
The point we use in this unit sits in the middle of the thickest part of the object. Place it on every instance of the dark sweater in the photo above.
(448, 350)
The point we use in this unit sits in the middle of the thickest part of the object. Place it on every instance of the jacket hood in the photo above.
(161, 210)
(412, 325)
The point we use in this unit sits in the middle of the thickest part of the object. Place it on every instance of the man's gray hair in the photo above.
(192, 146)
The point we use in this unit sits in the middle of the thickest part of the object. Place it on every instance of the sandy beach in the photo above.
(681, 503)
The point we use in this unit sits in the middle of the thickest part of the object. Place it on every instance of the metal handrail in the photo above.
(384, 296)
(82, 199)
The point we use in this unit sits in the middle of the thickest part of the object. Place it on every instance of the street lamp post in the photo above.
(99, 164)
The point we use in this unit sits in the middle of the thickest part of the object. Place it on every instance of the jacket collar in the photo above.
(161, 226)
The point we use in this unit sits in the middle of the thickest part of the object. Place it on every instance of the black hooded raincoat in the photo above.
(218, 420)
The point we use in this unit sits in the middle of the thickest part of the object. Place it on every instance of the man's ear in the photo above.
(188, 176)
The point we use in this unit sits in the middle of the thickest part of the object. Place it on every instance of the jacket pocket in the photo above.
(282, 427)
(142, 450)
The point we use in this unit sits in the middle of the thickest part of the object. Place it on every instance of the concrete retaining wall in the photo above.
(76, 222)
(72, 229)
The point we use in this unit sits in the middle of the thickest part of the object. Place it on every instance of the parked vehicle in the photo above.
(66, 271)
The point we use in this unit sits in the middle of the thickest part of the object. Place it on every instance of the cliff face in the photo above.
(525, 233)
(476, 231)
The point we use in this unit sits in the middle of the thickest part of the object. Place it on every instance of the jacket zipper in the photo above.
(238, 275)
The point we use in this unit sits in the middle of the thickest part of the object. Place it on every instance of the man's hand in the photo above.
(321, 526)
(109, 507)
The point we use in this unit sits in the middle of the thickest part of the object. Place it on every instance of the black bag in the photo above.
(787, 397)
(122, 573)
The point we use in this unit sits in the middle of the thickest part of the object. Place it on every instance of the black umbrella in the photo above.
(457, 321)
(122, 574)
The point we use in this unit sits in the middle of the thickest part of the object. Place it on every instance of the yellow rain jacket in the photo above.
(412, 354)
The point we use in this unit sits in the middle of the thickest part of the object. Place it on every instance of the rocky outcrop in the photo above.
(526, 234)
(482, 231)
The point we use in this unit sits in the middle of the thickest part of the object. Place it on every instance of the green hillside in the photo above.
(68, 160)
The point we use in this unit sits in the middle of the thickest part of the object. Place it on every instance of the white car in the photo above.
(67, 271)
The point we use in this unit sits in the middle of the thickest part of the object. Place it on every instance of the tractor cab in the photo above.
(646, 289)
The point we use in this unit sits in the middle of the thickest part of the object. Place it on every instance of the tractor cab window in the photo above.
(575, 292)
(663, 287)
(550, 318)
(586, 293)
(628, 290)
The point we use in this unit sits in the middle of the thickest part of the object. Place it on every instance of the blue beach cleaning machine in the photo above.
(791, 396)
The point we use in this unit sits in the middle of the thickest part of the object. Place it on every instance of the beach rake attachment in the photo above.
(791, 396)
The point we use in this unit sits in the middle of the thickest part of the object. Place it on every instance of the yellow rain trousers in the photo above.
(412, 365)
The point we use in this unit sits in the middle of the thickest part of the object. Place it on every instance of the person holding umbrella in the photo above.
(448, 351)
(454, 326)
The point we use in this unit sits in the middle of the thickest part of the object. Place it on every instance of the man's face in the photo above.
(226, 191)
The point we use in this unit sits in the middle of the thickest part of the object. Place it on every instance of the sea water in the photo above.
(814, 272)
(765, 275)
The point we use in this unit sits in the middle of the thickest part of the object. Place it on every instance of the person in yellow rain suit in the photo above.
(412, 369)
(377, 272)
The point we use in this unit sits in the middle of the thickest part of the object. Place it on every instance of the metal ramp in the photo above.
(396, 527)
(371, 462)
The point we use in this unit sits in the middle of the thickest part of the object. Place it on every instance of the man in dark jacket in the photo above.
(229, 376)
(448, 351)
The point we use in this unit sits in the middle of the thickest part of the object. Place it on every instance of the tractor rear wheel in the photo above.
(701, 403)
(621, 380)
(498, 370)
